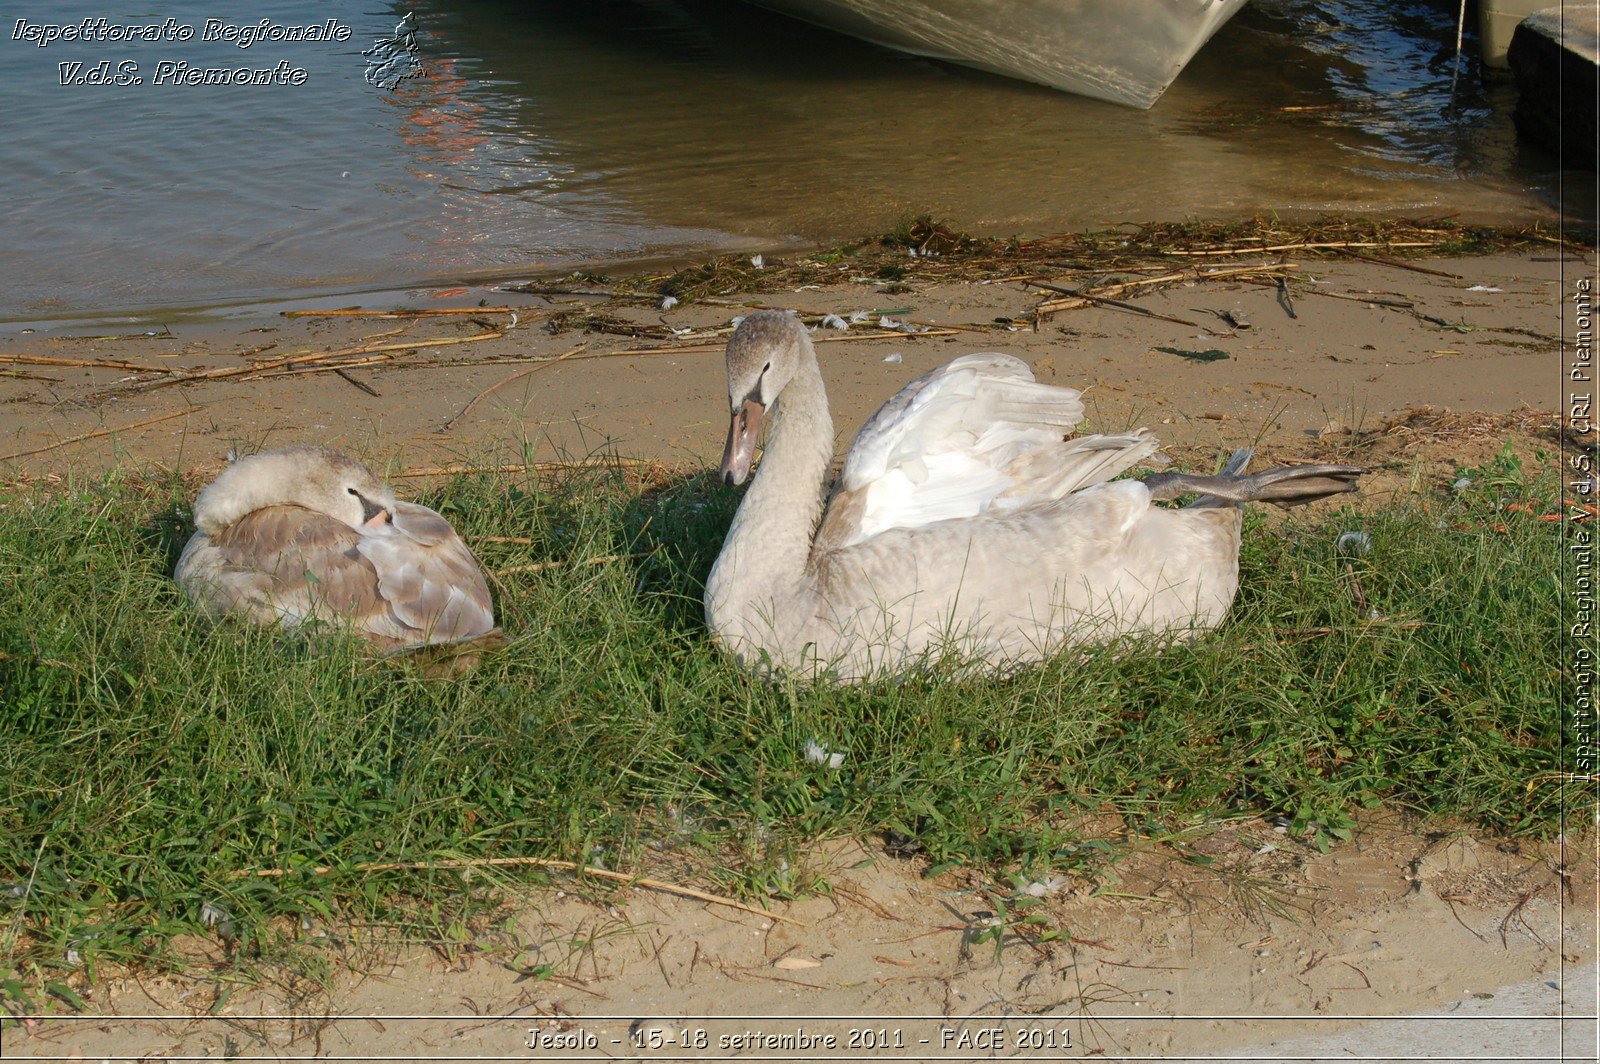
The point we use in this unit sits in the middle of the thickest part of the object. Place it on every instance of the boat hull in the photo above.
(1125, 51)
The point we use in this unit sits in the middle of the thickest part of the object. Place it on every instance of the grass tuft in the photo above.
(149, 761)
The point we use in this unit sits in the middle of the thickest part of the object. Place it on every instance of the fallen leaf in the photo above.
(795, 964)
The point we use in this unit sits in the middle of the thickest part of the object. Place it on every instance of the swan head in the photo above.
(764, 353)
(313, 477)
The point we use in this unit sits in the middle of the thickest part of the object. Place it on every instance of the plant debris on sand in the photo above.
(922, 249)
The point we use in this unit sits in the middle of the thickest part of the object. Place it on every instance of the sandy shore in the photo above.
(1415, 372)
(1323, 361)
(1274, 952)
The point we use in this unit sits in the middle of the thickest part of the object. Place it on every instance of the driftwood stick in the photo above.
(1195, 275)
(1203, 274)
(1397, 264)
(295, 360)
(363, 385)
(534, 862)
(337, 367)
(357, 312)
(1231, 273)
(166, 333)
(381, 335)
(702, 348)
(943, 330)
(464, 411)
(1112, 303)
(97, 433)
(1117, 289)
(78, 363)
(534, 291)
(1310, 246)
(1398, 304)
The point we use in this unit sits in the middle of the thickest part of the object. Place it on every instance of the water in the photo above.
(556, 135)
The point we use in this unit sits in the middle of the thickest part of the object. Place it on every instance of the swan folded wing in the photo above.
(976, 403)
(289, 564)
(975, 434)
(428, 577)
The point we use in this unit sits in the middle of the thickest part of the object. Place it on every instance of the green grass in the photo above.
(147, 759)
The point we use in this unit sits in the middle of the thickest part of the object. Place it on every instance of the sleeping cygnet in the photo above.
(304, 533)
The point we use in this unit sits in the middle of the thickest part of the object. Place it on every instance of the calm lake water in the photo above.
(545, 136)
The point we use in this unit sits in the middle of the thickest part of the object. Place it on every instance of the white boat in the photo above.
(1126, 51)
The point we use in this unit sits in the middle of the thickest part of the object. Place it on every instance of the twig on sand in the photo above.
(1237, 273)
(337, 367)
(1307, 246)
(1397, 264)
(17, 374)
(97, 433)
(535, 862)
(536, 467)
(1286, 297)
(573, 292)
(296, 360)
(464, 411)
(363, 385)
(1398, 304)
(1201, 274)
(78, 363)
(691, 349)
(357, 312)
(381, 335)
(1119, 304)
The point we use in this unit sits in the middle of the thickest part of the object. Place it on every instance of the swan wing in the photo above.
(427, 576)
(974, 435)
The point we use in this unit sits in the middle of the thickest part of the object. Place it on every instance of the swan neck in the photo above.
(764, 559)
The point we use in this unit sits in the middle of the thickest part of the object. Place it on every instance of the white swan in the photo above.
(966, 518)
(304, 533)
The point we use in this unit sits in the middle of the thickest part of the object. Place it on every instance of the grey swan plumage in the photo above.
(967, 517)
(304, 533)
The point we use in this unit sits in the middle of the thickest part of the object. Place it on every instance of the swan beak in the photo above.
(372, 514)
(740, 452)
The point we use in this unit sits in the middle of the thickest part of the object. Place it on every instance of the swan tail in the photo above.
(1283, 486)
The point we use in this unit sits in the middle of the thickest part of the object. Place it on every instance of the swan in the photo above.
(302, 533)
(967, 518)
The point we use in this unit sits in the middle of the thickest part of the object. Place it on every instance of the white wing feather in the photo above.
(975, 435)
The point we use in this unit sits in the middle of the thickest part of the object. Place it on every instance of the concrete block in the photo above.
(1555, 56)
